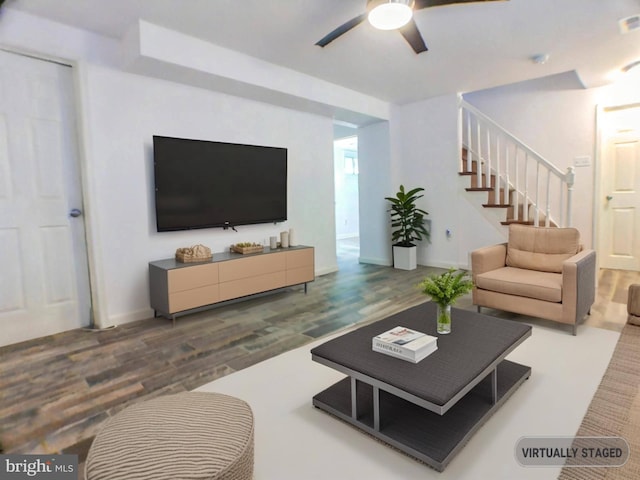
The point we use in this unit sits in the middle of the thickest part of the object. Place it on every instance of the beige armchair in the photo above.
(541, 272)
(633, 304)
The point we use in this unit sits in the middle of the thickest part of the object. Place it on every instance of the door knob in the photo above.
(75, 212)
(609, 197)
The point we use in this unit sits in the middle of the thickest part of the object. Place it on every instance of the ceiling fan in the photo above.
(393, 15)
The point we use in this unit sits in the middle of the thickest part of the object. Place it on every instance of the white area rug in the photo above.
(294, 440)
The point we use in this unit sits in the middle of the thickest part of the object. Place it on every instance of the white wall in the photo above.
(346, 187)
(417, 147)
(425, 135)
(375, 183)
(119, 112)
(126, 110)
(30, 34)
(157, 51)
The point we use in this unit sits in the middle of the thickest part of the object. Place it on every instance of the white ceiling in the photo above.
(471, 46)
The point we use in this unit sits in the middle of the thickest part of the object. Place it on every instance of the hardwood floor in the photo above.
(56, 391)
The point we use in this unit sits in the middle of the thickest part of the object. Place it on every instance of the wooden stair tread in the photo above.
(479, 189)
(497, 205)
(519, 222)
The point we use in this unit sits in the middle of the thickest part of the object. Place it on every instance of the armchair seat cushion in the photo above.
(545, 286)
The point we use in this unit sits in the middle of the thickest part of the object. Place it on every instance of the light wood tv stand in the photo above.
(177, 287)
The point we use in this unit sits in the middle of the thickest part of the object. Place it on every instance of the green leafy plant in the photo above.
(445, 288)
(407, 218)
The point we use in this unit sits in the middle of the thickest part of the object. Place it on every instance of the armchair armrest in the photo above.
(633, 304)
(488, 258)
(579, 283)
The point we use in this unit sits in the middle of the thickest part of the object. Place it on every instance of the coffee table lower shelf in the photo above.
(429, 437)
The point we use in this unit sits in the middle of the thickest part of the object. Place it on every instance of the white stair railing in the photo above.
(538, 188)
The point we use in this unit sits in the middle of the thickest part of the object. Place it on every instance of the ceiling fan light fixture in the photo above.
(389, 14)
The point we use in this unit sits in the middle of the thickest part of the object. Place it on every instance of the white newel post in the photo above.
(570, 178)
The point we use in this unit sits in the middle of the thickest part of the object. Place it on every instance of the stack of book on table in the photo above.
(404, 343)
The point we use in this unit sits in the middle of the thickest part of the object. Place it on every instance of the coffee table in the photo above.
(428, 410)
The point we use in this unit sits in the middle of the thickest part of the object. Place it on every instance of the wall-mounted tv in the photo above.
(203, 184)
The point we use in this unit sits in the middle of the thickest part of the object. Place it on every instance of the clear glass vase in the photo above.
(444, 319)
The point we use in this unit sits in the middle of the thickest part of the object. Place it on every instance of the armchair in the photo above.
(633, 304)
(542, 272)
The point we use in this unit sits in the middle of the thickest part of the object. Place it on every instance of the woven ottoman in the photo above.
(191, 435)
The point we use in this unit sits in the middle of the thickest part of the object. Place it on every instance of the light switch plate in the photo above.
(582, 161)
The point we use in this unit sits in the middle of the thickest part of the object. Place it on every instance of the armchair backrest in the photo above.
(541, 248)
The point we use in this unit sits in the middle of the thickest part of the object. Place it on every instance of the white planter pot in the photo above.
(404, 258)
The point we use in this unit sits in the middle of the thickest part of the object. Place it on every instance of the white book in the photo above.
(405, 343)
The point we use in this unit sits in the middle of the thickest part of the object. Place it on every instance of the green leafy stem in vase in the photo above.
(445, 288)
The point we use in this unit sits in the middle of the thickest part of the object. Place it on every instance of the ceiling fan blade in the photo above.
(412, 35)
(420, 4)
(342, 29)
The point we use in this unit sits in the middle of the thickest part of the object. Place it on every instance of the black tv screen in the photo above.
(202, 184)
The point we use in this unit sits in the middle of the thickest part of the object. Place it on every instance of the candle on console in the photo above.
(284, 239)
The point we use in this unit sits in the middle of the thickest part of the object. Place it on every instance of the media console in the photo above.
(176, 287)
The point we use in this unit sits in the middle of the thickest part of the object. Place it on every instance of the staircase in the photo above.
(501, 200)
(516, 180)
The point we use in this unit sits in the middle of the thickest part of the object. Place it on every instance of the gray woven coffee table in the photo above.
(429, 409)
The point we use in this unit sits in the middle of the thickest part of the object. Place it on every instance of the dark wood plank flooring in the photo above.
(57, 391)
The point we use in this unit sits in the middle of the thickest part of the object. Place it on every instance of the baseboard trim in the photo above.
(445, 265)
(375, 261)
(134, 316)
(326, 270)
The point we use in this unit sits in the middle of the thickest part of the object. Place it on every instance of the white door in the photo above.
(620, 188)
(44, 286)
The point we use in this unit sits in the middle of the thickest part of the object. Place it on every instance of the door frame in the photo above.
(599, 154)
(79, 72)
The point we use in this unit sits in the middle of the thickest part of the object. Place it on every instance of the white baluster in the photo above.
(469, 149)
(507, 182)
(497, 187)
(488, 159)
(563, 218)
(479, 154)
(525, 204)
(547, 220)
(536, 220)
(516, 213)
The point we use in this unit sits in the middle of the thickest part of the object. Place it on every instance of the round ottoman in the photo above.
(191, 435)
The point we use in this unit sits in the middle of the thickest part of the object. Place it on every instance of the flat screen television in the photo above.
(203, 184)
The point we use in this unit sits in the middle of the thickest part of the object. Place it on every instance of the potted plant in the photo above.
(408, 221)
(444, 290)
